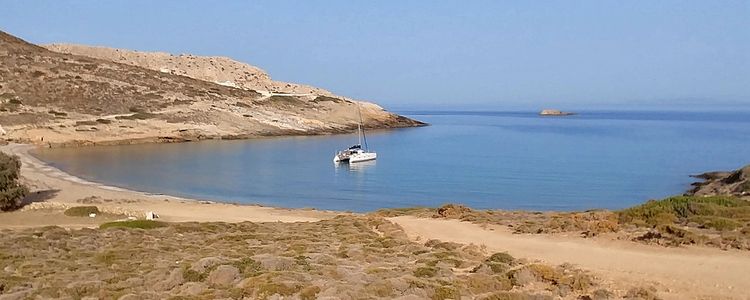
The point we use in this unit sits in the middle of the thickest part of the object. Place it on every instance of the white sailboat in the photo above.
(356, 153)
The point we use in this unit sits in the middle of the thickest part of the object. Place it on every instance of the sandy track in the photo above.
(678, 273)
(65, 190)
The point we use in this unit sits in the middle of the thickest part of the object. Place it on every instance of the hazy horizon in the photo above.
(449, 55)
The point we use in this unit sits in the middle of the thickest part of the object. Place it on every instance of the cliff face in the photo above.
(62, 98)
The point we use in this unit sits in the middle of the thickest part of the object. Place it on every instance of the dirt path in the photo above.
(678, 273)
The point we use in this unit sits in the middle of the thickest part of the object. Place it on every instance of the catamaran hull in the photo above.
(355, 158)
(360, 157)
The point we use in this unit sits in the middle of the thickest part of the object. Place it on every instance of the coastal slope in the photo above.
(60, 99)
(217, 69)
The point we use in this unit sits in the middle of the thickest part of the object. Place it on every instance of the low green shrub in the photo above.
(445, 292)
(191, 275)
(272, 288)
(248, 266)
(502, 257)
(425, 272)
(719, 212)
(11, 191)
(718, 223)
(81, 211)
(142, 224)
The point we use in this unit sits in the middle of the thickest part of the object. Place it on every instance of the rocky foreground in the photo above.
(58, 98)
(346, 257)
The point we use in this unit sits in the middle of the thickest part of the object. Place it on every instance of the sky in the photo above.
(440, 54)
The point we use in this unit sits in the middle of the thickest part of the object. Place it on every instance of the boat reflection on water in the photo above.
(361, 166)
(356, 167)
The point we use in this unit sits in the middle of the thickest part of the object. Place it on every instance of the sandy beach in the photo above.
(55, 189)
(677, 273)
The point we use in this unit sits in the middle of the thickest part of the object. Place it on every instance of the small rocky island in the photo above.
(555, 112)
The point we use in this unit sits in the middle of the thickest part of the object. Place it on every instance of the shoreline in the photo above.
(53, 188)
(38, 140)
(705, 272)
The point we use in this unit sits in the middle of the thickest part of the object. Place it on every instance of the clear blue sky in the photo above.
(452, 54)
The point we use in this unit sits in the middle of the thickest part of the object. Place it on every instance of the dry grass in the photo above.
(141, 224)
(346, 257)
(720, 221)
(589, 223)
(716, 221)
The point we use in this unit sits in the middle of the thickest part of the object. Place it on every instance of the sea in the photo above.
(482, 159)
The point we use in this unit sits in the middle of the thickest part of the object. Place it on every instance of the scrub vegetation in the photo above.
(715, 221)
(81, 211)
(347, 257)
(11, 190)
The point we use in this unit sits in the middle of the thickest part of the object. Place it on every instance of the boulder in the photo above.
(223, 276)
(174, 279)
(206, 263)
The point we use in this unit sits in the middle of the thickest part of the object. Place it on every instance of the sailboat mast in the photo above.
(360, 128)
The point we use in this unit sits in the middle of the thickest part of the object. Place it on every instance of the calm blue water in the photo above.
(508, 160)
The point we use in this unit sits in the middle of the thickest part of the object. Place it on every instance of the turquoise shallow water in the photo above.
(508, 160)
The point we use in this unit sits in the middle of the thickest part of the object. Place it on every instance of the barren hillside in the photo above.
(221, 70)
(64, 99)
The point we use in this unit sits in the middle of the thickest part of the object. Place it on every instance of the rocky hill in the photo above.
(221, 70)
(56, 98)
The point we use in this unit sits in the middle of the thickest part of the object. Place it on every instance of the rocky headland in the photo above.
(736, 183)
(79, 95)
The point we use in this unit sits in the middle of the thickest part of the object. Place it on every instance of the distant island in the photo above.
(555, 112)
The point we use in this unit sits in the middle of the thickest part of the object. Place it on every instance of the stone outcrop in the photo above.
(223, 276)
(735, 183)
